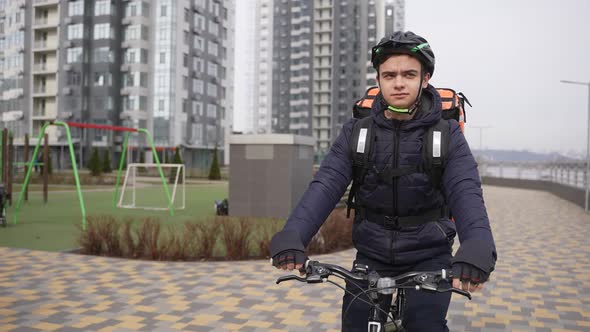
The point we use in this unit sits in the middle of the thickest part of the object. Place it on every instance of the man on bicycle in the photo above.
(401, 221)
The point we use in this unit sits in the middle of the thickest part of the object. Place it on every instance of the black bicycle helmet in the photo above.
(404, 43)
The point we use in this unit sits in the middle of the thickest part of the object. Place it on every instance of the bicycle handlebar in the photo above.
(317, 272)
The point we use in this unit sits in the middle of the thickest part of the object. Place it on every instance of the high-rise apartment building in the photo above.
(164, 65)
(321, 61)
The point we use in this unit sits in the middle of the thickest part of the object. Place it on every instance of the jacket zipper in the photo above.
(397, 127)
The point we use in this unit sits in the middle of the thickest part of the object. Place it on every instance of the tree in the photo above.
(94, 163)
(215, 172)
(106, 162)
(176, 160)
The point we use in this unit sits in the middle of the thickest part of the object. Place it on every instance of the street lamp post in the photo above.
(586, 182)
(481, 128)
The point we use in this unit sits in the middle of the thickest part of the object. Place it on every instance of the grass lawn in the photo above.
(52, 226)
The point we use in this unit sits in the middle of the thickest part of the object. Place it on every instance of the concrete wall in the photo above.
(574, 195)
(268, 174)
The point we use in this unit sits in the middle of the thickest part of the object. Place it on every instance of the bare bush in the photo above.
(236, 236)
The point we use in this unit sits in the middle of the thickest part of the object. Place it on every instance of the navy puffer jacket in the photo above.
(398, 144)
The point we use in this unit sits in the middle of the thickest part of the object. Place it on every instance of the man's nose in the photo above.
(398, 82)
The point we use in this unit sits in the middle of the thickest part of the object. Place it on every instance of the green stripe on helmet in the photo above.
(419, 47)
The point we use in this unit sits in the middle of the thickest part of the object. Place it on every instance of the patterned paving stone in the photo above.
(541, 283)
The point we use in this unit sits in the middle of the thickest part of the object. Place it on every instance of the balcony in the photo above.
(42, 3)
(44, 45)
(44, 22)
(41, 68)
(43, 91)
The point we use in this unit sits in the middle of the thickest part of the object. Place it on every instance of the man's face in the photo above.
(399, 80)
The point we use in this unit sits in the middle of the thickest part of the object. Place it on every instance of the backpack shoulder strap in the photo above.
(435, 149)
(359, 150)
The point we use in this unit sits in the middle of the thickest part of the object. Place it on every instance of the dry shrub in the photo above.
(127, 241)
(148, 235)
(109, 233)
(89, 239)
(335, 234)
(207, 237)
(236, 237)
(173, 245)
(191, 236)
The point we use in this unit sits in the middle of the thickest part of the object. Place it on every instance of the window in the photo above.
(213, 28)
(74, 78)
(76, 8)
(212, 111)
(102, 31)
(197, 86)
(75, 31)
(215, 8)
(161, 105)
(132, 32)
(74, 55)
(211, 90)
(213, 48)
(131, 9)
(199, 43)
(163, 10)
(212, 69)
(197, 108)
(102, 7)
(185, 60)
(164, 33)
(186, 15)
(200, 22)
(131, 55)
(103, 54)
(197, 64)
(102, 79)
(162, 57)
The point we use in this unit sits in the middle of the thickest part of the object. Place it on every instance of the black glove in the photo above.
(286, 248)
(468, 272)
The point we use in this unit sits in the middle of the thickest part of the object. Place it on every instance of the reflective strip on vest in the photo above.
(436, 142)
(360, 147)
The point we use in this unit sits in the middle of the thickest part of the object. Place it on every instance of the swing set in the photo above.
(67, 125)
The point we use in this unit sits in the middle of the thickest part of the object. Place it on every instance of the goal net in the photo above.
(142, 187)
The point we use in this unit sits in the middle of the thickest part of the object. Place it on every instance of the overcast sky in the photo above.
(508, 57)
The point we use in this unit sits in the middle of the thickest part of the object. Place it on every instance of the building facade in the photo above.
(162, 65)
(320, 62)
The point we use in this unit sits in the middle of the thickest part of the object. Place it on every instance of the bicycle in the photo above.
(380, 288)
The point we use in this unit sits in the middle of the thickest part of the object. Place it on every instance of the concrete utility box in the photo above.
(268, 173)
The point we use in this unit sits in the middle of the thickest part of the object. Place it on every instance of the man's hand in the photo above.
(468, 277)
(287, 251)
(289, 260)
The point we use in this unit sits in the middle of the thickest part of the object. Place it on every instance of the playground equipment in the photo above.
(130, 182)
(67, 126)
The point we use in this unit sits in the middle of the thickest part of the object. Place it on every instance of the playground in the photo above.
(49, 217)
(54, 226)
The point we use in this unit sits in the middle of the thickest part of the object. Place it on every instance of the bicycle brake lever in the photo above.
(461, 292)
(290, 277)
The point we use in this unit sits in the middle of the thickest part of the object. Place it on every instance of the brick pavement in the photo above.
(542, 283)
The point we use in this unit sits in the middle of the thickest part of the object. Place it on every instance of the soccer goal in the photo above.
(137, 193)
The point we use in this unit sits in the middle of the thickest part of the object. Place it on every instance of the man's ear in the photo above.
(425, 80)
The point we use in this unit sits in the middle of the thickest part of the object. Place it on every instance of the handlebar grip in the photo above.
(290, 277)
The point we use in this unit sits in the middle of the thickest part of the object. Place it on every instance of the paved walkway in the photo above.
(542, 283)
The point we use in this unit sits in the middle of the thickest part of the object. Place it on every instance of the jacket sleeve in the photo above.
(463, 191)
(326, 189)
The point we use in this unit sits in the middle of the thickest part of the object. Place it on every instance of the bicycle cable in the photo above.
(356, 298)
